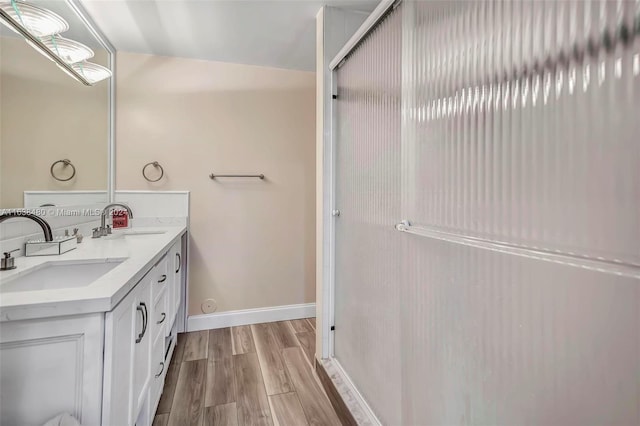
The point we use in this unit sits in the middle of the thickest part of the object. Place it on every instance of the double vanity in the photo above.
(88, 324)
(91, 332)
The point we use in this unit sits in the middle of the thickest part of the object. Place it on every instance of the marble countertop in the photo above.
(103, 294)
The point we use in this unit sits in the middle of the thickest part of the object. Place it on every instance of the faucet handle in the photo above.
(7, 262)
(97, 233)
(7, 254)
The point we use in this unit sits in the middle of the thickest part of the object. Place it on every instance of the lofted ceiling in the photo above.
(274, 33)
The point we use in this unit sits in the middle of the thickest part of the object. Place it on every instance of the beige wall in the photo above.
(253, 242)
(45, 116)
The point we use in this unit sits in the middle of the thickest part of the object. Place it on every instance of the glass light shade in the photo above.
(69, 51)
(38, 21)
(92, 72)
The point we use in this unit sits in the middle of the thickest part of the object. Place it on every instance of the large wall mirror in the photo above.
(56, 132)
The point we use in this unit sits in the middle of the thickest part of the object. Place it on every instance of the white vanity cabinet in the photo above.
(104, 368)
(136, 353)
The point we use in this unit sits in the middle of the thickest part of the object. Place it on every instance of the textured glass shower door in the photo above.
(506, 133)
(521, 267)
(368, 196)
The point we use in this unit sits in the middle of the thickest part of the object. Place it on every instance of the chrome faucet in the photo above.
(46, 229)
(104, 229)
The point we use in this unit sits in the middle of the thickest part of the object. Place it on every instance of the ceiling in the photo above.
(274, 33)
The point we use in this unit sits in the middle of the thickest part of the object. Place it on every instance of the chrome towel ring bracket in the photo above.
(157, 166)
(66, 162)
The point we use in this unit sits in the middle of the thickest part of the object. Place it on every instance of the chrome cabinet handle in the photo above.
(161, 370)
(163, 279)
(139, 309)
(164, 317)
(146, 318)
(179, 262)
(145, 315)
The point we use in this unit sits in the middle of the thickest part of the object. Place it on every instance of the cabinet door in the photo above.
(177, 278)
(142, 343)
(49, 366)
(120, 326)
(173, 294)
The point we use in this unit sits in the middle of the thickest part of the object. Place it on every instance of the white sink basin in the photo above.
(134, 234)
(58, 275)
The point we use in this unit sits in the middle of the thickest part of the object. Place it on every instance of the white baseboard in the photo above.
(250, 316)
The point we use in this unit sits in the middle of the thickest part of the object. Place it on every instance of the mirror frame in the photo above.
(79, 10)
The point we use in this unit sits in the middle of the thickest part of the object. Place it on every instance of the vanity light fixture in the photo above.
(40, 28)
(38, 21)
(70, 51)
(92, 72)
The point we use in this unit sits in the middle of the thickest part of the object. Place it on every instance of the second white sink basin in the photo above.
(58, 275)
(133, 234)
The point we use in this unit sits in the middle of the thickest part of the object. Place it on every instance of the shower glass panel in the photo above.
(506, 134)
(368, 196)
(522, 187)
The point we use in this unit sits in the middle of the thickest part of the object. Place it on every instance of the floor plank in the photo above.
(284, 334)
(171, 378)
(195, 346)
(188, 402)
(286, 410)
(160, 420)
(221, 415)
(242, 340)
(274, 373)
(252, 403)
(312, 321)
(220, 343)
(301, 326)
(221, 382)
(308, 344)
(316, 406)
(178, 352)
(224, 386)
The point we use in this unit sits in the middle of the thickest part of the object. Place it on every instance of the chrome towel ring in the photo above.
(157, 166)
(65, 163)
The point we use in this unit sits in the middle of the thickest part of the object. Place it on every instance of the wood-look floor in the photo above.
(249, 375)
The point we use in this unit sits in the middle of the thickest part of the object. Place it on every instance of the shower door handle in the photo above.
(403, 225)
(335, 213)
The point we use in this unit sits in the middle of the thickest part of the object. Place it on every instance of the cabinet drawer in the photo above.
(160, 316)
(158, 370)
(161, 278)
